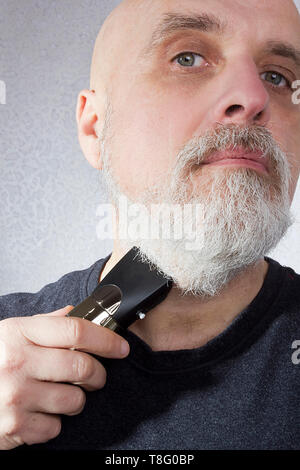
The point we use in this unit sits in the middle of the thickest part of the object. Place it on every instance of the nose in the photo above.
(242, 97)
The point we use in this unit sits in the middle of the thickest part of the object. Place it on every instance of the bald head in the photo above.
(118, 38)
(121, 34)
(114, 36)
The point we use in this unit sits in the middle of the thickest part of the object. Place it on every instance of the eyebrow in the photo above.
(283, 49)
(173, 22)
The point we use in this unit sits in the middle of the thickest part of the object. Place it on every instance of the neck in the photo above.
(187, 322)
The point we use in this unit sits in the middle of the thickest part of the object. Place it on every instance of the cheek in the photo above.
(291, 139)
(295, 177)
(149, 130)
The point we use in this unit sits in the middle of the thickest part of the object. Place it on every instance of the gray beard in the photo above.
(244, 213)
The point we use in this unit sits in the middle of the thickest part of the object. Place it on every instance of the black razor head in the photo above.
(142, 287)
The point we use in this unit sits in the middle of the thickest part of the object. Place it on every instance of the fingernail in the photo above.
(124, 348)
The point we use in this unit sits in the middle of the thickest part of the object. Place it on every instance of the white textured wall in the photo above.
(48, 192)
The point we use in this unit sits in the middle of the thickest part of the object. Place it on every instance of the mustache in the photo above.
(229, 136)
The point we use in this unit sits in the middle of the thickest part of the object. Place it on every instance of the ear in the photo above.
(86, 117)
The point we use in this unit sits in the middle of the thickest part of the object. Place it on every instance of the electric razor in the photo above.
(125, 294)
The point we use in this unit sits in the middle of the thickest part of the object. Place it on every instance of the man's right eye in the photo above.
(189, 59)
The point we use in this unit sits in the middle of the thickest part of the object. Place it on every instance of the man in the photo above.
(191, 102)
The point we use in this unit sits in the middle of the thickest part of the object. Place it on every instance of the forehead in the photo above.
(135, 33)
(225, 18)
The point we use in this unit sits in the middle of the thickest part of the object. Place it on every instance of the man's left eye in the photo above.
(276, 79)
(189, 59)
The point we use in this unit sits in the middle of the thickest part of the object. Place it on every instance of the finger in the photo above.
(57, 313)
(40, 427)
(76, 333)
(53, 398)
(64, 365)
(28, 428)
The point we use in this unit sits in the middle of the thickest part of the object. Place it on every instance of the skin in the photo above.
(157, 108)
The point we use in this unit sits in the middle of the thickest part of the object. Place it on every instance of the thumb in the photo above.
(62, 312)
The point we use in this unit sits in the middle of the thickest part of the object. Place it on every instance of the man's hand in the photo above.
(39, 357)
